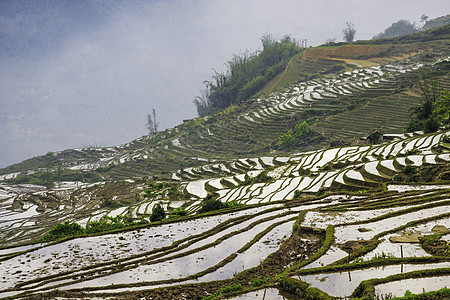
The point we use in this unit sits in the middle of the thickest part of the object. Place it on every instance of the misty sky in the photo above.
(77, 73)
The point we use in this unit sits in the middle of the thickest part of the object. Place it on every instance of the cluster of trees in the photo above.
(246, 74)
(293, 137)
(71, 229)
(211, 203)
(48, 177)
(152, 125)
(399, 28)
(349, 32)
(434, 111)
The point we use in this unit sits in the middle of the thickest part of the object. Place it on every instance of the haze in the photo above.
(86, 73)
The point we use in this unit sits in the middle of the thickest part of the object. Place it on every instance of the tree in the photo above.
(152, 124)
(349, 32)
(246, 74)
(210, 203)
(330, 41)
(158, 213)
(424, 19)
(442, 109)
(425, 116)
(399, 28)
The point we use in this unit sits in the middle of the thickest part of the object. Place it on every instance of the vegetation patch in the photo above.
(434, 245)
(211, 203)
(246, 74)
(424, 173)
(366, 289)
(301, 134)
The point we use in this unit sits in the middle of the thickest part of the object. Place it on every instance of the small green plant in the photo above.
(383, 256)
(211, 203)
(257, 282)
(435, 245)
(260, 178)
(358, 260)
(231, 288)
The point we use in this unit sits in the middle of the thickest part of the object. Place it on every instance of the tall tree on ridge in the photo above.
(349, 32)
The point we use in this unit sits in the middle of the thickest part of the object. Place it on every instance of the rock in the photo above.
(439, 229)
(362, 229)
(351, 246)
(406, 238)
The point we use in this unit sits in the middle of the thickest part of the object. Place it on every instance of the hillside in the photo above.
(223, 205)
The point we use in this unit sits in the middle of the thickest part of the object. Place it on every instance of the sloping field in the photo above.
(243, 220)
(253, 127)
(370, 234)
(345, 51)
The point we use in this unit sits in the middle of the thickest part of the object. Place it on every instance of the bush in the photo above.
(110, 203)
(65, 229)
(108, 224)
(297, 194)
(301, 132)
(210, 204)
(158, 213)
(179, 212)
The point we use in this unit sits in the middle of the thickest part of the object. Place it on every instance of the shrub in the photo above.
(179, 212)
(158, 213)
(231, 288)
(210, 204)
(297, 194)
(293, 137)
(65, 229)
(110, 203)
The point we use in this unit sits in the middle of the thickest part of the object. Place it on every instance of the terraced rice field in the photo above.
(249, 129)
(375, 231)
(333, 219)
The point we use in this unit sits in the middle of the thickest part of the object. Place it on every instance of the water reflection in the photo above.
(265, 294)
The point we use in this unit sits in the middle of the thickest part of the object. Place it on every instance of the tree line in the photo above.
(246, 74)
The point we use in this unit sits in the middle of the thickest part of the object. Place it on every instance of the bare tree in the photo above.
(155, 123)
(349, 32)
(330, 40)
(152, 124)
(424, 19)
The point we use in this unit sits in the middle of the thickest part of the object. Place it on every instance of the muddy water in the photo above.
(82, 252)
(343, 284)
(183, 266)
(406, 188)
(333, 254)
(268, 294)
(386, 248)
(408, 249)
(415, 286)
(350, 232)
(323, 219)
(20, 249)
(254, 255)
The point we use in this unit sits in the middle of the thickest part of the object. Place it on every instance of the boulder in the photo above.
(351, 246)
(405, 238)
(439, 229)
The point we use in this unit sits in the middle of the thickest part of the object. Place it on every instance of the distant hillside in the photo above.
(309, 182)
(438, 22)
(332, 88)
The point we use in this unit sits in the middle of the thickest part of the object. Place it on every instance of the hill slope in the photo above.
(242, 212)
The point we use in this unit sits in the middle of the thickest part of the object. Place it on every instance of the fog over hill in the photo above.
(80, 73)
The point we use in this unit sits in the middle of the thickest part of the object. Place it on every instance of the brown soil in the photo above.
(345, 51)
